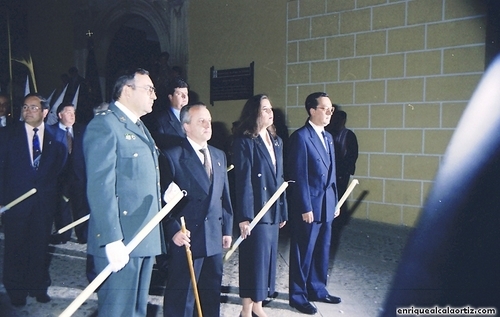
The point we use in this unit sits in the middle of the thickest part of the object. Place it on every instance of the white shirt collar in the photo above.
(197, 148)
(317, 128)
(127, 112)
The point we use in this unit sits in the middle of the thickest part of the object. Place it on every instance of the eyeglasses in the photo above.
(150, 89)
(331, 110)
(32, 108)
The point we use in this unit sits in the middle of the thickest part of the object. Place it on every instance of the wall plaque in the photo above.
(231, 84)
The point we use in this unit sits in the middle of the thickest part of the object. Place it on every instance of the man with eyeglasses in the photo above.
(124, 194)
(30, 157)
(312, 207)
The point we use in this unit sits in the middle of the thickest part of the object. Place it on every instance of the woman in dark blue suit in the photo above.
(258, 162)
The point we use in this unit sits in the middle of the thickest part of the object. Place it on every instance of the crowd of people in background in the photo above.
(122, 162)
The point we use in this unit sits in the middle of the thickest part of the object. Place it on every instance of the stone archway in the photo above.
(168, 22)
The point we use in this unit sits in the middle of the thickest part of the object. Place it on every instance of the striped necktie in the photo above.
(36, 149)
(69, 140)
(206, 162)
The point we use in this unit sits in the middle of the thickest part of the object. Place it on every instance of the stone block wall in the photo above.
(403, 70)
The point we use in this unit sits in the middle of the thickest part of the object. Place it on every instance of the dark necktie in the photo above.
(327, 148)
(69, 140)
(144, 133)
(206, 163)
(36, 149)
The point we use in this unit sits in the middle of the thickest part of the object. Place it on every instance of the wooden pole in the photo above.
(191, 270)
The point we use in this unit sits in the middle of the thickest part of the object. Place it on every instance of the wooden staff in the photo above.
(353, 184)
(17, 200)
(85, 218)
(129, 248)
(257, 218)
(191, 270)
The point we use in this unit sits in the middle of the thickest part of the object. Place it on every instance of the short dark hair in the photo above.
(43, 101)
(177, 82)
(63, 105)
(126, 79)
(312, 100)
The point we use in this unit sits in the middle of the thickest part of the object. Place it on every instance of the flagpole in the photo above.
(10, 65)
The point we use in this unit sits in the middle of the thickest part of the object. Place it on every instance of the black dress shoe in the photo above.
(306, 308)
(329, 299)
(18, 302)
(43, 298)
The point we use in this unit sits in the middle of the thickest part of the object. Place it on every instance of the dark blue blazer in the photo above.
(76, 161)
(207, 207)
(256, 179)
(167, 130)
(313, 170)
(17, 175)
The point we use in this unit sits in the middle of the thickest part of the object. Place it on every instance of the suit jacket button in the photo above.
(265, 188)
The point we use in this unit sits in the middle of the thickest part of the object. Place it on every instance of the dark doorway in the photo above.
(134, 45)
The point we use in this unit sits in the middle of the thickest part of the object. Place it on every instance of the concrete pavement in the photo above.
(360, 273)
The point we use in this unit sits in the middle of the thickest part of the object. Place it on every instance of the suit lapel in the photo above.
(318, 145)
(279, 158)
(132, 127)
(175, 123)
(261, 147)
(190, 159)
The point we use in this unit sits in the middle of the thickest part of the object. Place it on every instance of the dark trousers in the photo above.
(72, 206)
(125, 293)
(309, 255)
(179, 300)
(26, 259)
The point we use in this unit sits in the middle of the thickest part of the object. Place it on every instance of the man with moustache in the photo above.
(30, 157)
(124, 194)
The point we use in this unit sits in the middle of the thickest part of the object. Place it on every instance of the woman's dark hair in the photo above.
(249, 119)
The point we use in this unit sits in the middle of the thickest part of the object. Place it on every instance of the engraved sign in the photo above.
(231, 84)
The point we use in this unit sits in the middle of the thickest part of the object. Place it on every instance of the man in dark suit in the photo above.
(30, 157)
(124, 195)
(312, 206)
(208, 214)
(165, 125)
(73, 192)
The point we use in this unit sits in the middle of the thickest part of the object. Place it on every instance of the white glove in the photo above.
(117, 255)
(171, 191)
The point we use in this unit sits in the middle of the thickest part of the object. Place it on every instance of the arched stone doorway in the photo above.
(124, 30)
(135, 44)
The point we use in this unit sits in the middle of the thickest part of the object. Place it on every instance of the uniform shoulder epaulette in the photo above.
(103, 112)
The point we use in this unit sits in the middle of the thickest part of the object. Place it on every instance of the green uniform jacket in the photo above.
(123, 185)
